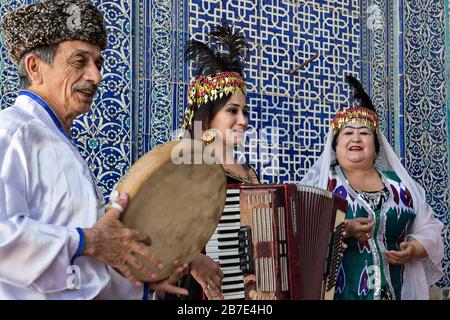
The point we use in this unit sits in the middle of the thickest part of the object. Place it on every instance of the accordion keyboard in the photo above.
(223, 247)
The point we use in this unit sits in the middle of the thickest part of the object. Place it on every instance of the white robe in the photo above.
(46, 191)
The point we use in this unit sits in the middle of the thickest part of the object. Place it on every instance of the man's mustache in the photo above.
(89, 87)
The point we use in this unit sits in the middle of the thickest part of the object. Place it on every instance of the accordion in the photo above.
(279, 242)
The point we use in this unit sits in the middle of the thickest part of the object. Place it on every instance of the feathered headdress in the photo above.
(218, 68)
(364, 113)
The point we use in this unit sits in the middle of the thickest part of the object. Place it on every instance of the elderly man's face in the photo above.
(72, 80)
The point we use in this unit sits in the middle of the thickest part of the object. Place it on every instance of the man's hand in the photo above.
(114, 244)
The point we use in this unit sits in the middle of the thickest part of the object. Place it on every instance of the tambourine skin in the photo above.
(177, 205)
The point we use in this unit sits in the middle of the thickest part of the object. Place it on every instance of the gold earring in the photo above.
(208, 136)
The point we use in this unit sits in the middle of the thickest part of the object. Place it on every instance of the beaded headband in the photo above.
(353, 115)
(209, 89)
(212, 87)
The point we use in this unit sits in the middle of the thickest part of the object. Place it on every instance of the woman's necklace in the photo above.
(247, 178)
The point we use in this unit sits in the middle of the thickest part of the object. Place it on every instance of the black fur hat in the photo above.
(51, 22)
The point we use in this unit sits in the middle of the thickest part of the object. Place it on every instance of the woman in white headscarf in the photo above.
(394, 243)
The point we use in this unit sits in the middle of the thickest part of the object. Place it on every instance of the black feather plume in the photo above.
(225, 52)
(234, 47)
(359, 93)
(205, 60)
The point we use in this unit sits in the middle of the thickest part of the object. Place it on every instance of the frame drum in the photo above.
(178, 205)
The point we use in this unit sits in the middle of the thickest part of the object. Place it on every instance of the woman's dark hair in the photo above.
(207, 111)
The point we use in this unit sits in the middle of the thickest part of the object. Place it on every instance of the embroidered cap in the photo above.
(355, 115)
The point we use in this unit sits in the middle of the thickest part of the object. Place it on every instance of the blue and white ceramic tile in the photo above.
(425, 103)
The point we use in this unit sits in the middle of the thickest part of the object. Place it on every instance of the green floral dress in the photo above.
(364, 274)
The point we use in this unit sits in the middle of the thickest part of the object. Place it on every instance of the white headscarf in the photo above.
(418, 274)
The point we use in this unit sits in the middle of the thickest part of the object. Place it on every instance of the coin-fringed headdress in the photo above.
(218, 68)
(364, 113)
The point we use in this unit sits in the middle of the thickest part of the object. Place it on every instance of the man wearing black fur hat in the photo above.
(52, 244)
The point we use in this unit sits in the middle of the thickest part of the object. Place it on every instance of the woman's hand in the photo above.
(167, 285)
(208, 274)
(408, 250)
(359, 228)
